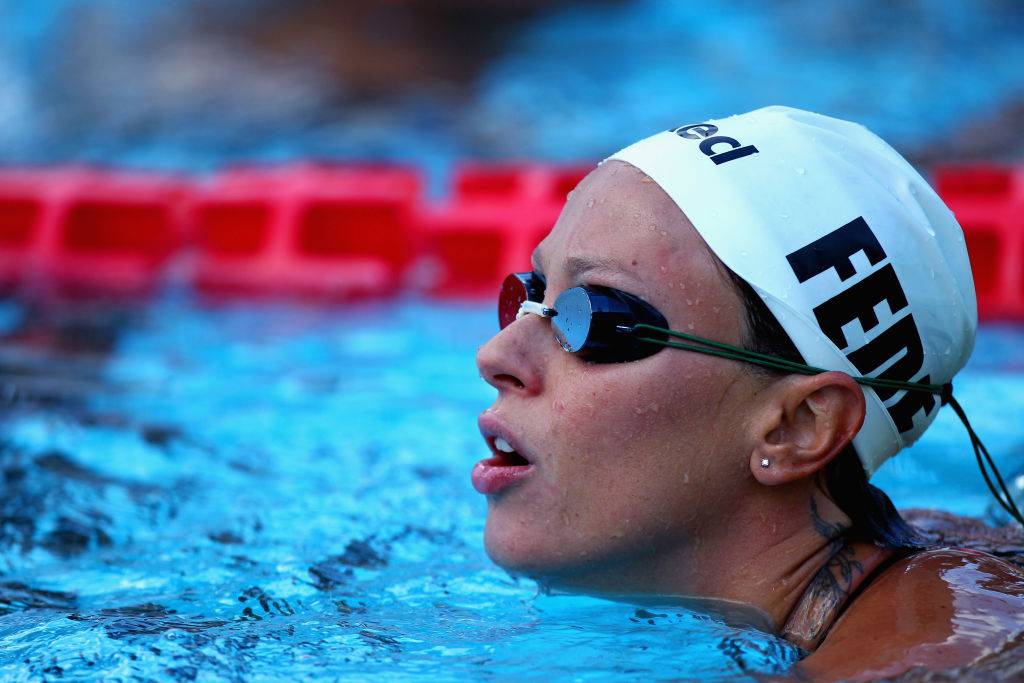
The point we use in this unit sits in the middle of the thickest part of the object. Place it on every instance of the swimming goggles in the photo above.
(606, 325)
(598, 324)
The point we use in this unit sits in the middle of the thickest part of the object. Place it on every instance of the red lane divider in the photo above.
(988, 202)
(496, 217)
(364, 229)
(339, 231)
(86, 228)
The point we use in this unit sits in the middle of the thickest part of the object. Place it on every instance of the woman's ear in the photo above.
(802, 423)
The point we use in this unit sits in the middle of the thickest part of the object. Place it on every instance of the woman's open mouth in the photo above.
(502, 470)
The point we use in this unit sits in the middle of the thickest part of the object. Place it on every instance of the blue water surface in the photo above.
(197, 491)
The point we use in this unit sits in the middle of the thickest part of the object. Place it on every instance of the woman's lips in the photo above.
(493, 475)
(510, 463)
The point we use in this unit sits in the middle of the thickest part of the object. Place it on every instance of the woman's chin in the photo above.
(523, 551)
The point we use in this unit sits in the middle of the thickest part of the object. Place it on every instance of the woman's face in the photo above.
(630, 462)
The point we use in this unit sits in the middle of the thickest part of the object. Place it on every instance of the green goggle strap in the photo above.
(943, 391)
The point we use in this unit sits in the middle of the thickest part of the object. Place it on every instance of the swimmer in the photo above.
(819, 300)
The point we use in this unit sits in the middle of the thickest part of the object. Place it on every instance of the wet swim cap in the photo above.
(855, 255)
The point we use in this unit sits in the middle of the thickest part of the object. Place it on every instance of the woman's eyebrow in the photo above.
(576, 266)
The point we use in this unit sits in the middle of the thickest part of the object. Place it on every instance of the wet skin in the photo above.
(937, 609)
(645, 477)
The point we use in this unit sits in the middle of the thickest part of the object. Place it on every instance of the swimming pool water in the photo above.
(195, 491)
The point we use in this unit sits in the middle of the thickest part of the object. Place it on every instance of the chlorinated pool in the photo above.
(194, 491)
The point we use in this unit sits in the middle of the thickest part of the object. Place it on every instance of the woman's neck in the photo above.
(790, 558)
(829, 590)
(787, 559)
(803, 579)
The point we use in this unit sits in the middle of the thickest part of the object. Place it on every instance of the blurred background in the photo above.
(193, 84)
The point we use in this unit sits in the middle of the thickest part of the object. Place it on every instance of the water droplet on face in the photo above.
(590, 203)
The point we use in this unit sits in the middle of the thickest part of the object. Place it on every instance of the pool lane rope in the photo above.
(996, 484)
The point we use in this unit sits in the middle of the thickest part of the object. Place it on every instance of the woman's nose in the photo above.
(512, 360)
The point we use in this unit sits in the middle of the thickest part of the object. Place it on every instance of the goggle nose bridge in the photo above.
(536, 308)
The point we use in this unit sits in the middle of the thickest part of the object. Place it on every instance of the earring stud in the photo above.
(765, 462)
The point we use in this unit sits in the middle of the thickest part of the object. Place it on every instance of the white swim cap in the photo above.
(855, 255)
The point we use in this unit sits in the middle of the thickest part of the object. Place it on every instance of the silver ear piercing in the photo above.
(765, 462)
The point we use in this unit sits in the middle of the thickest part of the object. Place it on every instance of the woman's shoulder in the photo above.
(937, 608)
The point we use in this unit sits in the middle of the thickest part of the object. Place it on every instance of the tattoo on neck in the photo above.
(836, 576)
(828, 590)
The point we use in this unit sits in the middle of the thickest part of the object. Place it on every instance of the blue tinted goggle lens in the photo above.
(571, 323)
